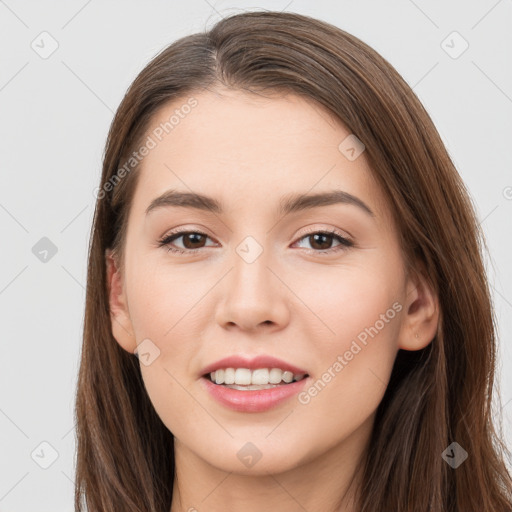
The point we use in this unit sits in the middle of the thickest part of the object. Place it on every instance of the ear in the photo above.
(119, 315)
(421, 312)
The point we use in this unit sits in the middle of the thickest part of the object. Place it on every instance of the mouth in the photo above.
(245, 379)
(253, 385)
(253, 391)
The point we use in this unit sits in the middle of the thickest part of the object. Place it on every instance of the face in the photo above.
(320, 287)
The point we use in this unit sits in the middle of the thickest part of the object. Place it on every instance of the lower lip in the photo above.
(256, 400)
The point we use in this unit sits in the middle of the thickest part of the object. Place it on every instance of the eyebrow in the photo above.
(288, 204)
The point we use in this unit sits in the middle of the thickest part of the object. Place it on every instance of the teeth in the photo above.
(258, 377)
(219, 376)
(275, 376)
(287, 376)
(242, 376)
(229, 376)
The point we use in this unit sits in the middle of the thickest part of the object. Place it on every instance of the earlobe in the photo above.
(421, 314)
(120, 318)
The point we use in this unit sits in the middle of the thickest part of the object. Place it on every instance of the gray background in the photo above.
(55, 114)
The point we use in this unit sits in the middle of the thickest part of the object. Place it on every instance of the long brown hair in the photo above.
(436, 396)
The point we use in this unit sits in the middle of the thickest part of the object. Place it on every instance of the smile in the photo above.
(252, 397)
(260, 378)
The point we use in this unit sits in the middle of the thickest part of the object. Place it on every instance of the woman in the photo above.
(286, 302)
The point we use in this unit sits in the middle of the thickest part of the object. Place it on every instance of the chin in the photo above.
(255, 457)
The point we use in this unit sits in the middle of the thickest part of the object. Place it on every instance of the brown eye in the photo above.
(321, 241)
(193, 240)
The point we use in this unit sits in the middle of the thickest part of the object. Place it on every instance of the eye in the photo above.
(193, 241)
(321, 240)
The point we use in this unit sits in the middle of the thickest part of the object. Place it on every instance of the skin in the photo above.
(292, 302)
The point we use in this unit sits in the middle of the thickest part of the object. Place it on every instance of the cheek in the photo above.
(161, 310)
(169, 390)
(355, 352)
(354, 303)
(162, 299)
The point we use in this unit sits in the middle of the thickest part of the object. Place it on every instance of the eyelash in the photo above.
(165, 241)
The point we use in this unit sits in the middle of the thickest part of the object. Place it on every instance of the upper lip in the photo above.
(261, 361)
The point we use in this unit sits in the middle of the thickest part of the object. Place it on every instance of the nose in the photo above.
(253, 296)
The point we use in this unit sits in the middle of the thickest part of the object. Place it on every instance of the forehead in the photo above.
(247, 149)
